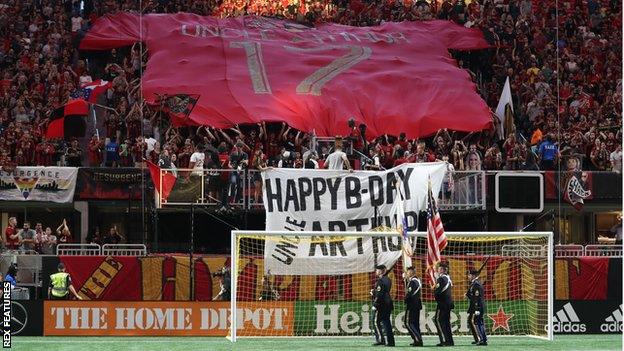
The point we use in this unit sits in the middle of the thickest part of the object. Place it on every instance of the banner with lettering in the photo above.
(220, 72)
(111, 183)
(168, 278)
(46, 184)
(327, 200)
(578, 187)
(141, 278)
(90, 318)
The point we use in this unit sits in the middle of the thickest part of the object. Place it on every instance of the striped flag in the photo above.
(401, 222)
(436, 239)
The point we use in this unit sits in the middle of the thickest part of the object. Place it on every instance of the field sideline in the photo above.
(567, 342)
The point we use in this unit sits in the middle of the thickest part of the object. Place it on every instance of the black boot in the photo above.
(379, 343)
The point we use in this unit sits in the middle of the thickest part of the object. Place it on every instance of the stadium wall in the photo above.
(150, 296)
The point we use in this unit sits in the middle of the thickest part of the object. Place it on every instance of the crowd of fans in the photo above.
(578, 118)
(38, 240)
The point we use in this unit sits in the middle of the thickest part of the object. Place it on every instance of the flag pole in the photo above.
(401, 223)
(429, 194)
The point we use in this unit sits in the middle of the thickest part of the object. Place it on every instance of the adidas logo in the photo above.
(567, 321)
(613, 323)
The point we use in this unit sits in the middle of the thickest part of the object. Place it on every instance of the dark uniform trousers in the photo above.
(443, 324)
(383, 326)
(412, 323)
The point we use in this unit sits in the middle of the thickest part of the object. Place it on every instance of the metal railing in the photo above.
(104, 250)
(78, 250)
(569, 250)
(216, 187)
(524, 250)
(124, 250)
(461, 190)
(603, 250)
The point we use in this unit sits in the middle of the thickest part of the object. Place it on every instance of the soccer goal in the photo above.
(316, 284)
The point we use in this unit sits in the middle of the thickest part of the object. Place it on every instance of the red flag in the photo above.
(436, 239)
(168, 180)
(68, 120)
(264, 69)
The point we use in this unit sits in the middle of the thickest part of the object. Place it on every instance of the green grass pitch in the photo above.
(568, 342)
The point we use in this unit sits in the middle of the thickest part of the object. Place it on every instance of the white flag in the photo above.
(505, 98)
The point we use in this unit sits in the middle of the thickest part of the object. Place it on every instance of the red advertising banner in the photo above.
(396, 77)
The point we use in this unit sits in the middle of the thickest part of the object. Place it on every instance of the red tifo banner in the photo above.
(396, 77)
(167, 278)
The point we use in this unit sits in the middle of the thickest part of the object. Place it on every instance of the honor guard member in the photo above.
(382, 304)
(444, 299)
(60, 285)
(476, 308)
(413, 305)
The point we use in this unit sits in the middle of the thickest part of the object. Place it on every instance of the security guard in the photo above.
(444, 298)
(60, 285)
(476, 308)
(383, 306)
(413, 305)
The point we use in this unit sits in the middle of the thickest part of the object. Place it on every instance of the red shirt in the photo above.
(95, 152)
(11, 244)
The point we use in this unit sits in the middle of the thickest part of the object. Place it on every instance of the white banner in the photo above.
(338, 201)
(48, 184)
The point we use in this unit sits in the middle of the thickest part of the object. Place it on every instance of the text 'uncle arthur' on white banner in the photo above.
(335, 201)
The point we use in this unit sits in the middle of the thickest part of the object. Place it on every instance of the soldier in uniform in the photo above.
(445, 304)
(413, 305)
(476, 308)
(382, 305)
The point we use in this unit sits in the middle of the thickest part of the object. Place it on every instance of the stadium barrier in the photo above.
(603, 250)
(569, 250)
(588, 295)
(124, 250)
(461, 190)
(78, 249)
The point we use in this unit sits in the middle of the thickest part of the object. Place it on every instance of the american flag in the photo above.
(436, 239)
(91, 91)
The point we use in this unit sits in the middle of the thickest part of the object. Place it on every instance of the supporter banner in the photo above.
(80, 318)
(587, 317)
(110, 183)
(578, 187)
(588, 278)
(312, 200)
(46, 184)
(348, 318)
(141, 278)
(395, 77)
(167, 278)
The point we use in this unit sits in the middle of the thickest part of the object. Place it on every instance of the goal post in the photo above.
(317, 284)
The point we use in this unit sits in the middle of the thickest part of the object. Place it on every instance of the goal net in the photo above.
(318, 283)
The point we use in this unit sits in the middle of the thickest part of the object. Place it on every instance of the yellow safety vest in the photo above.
(59, 284)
